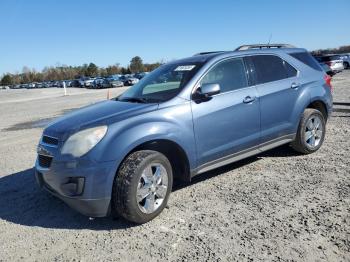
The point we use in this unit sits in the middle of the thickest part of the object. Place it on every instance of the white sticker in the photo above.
(185, 68)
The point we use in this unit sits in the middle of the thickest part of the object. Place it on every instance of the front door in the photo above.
(228, 122)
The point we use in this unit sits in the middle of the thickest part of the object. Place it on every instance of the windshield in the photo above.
(162, 84)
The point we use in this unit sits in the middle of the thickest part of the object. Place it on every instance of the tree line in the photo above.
(64, 72)
(340, 50)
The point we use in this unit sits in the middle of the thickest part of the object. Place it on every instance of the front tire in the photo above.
(142, 186)
(311, 132)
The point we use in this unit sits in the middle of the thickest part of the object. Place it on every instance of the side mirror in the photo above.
(208, 90)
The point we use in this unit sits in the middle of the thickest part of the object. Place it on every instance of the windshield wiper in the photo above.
(133, 99)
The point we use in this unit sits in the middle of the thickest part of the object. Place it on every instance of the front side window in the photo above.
(269, 68)
(162, 84)
(229, 74)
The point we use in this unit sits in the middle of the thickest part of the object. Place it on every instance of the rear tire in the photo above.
(311, 132)
(142, 186)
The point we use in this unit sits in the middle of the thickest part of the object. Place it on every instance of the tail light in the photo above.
(329, 63)
(328, 79)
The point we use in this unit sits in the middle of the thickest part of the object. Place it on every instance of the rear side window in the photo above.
(307, 59)
(229, 74)
(269, 68)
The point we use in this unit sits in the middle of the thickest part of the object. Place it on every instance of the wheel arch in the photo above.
(320, 106)
(173, 151)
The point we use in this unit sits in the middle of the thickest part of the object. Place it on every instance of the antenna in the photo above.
(269, 39)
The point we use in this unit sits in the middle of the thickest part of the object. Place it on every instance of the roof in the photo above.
(203, 57)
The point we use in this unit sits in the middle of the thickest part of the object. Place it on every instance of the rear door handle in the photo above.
(295, 85)
(248, 99)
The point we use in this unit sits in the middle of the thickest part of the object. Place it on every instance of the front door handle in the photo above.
(248, 99)
(295, 85)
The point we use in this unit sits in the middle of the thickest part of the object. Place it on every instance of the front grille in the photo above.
(50, 140)
(45, 161)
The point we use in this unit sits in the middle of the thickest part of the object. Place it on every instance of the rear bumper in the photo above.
(91, 196)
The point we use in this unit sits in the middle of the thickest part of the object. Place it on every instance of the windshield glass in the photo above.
(162, 84)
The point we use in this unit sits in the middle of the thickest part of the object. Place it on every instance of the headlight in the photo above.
(83, 141)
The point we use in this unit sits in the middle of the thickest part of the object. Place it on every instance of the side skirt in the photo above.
(242, 154)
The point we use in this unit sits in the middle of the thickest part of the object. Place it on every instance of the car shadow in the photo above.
(281, 151)
(23, 202)
(341, 104)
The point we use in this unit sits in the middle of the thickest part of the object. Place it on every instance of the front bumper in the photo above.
(86, 188)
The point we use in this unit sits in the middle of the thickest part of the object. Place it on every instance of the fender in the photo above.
(311, 93)
(324, 95)
(172, 123)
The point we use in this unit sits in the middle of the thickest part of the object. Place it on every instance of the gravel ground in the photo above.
(276, 206)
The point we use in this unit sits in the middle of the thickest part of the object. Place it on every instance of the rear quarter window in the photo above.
(307, 59)
(291, 71)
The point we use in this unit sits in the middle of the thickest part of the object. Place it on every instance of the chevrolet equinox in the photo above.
(187, 117)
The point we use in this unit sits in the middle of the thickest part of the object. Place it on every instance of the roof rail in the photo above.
(207, 53)
(261, 46)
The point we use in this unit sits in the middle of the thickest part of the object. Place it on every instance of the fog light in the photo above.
(74, 186)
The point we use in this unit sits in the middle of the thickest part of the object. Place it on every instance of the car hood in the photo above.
(102, 113)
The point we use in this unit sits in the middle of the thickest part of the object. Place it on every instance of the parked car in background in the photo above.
(17, 86)
(86, 81)
(39, 85)
(140, 75)
(31, 85)
(89, 82)
(105, 84)
(97, 83)
(46, 85)
(115, 82)
(187, 117)
(74, 83)
(129, 80)
(56, 84)
(68, 83)
(333, 61)
(346, 60)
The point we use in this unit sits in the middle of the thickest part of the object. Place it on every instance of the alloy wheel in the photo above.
(152, 188)
(314, 131)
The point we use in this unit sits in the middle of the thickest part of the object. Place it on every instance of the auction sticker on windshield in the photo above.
(185, 68)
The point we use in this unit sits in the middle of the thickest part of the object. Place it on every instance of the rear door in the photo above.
(278, 88)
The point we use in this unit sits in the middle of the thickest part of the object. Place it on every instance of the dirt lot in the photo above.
(276, 206)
